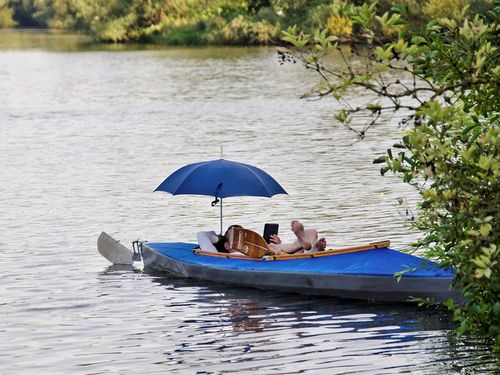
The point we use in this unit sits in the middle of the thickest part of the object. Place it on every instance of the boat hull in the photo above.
(337, 276)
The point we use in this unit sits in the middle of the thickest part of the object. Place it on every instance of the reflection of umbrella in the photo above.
(220, 179)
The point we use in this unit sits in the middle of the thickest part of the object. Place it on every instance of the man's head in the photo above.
(223, 245)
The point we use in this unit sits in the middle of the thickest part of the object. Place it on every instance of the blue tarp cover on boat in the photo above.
(376, 262)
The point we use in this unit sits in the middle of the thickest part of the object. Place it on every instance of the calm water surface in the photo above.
(88, 132)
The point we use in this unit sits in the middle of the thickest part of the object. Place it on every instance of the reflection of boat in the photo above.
(255, 310)
(363, 272)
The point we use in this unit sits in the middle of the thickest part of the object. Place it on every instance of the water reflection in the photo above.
(115, 268)
(270, 331)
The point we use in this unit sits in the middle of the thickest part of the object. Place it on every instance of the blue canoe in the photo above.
(357, 273)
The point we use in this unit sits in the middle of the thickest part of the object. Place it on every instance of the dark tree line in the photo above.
(209, 21)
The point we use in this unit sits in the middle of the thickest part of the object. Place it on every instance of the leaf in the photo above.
(486, 260)
(384, 54)
(478, 262)
(485, 229)
(476, 308)
(374, 107)
(449, 303)
(496, 310)
(418, 40)
(381, 159)
(384, 170)
(342, 116)
(484, 163)
(473, 233)
(469, 128)
(487, 273)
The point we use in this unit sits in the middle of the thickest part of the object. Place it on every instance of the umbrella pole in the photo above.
(221, 216)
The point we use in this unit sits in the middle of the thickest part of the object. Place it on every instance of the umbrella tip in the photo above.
(222, 151)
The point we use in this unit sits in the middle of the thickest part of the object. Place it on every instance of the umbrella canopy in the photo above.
(221, 179)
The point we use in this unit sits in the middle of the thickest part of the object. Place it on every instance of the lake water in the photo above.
(87, 133)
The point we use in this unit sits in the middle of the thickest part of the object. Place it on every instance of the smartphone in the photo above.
(270, 229)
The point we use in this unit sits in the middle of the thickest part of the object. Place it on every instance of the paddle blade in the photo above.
(113, 250)
(249, 243)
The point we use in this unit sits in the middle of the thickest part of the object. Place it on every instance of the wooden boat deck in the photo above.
(318, 254)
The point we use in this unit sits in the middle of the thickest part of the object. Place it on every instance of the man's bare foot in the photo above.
(320, 245)
(298, 229)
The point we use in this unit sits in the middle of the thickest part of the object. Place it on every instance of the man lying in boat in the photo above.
(306, 241)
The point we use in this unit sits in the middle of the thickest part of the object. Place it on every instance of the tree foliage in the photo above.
(445, 82)
(6, 15)
(200, 22)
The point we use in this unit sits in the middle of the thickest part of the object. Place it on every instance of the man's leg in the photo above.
(288, 248)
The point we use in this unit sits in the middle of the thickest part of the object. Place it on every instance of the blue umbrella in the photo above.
(221, 179)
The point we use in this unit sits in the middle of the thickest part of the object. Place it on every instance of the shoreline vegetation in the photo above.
(215, 22)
